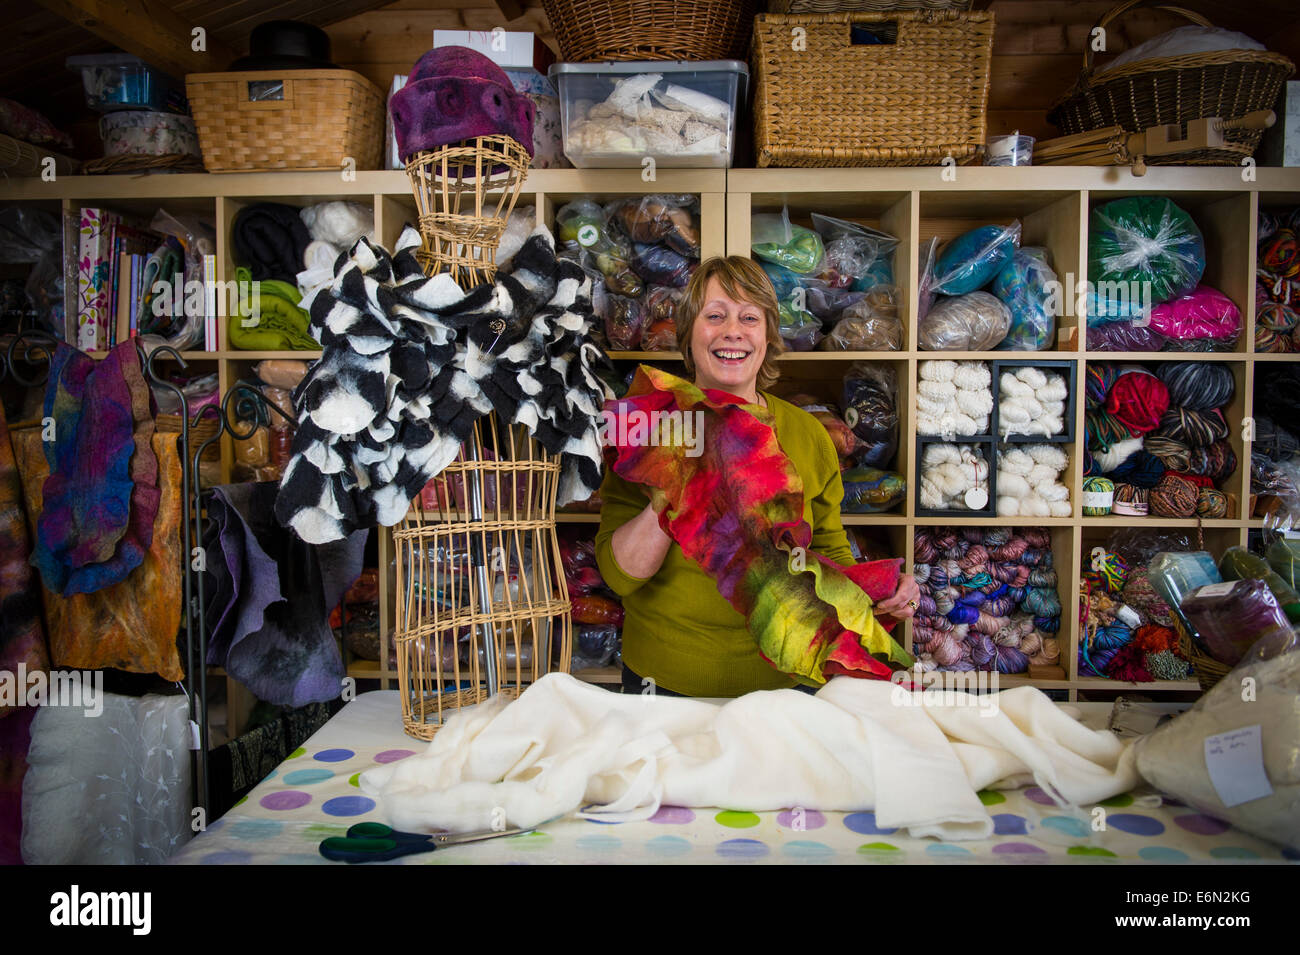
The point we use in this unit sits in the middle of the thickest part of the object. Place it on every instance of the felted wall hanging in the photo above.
(410, 362)
(737, 511)
(131, 625)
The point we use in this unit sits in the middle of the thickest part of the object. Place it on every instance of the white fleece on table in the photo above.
(565, 745)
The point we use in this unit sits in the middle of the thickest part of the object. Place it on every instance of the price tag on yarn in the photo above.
(196, 741)
(977, 498)
(1235, 762)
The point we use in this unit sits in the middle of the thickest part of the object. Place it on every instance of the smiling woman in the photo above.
(679, 631)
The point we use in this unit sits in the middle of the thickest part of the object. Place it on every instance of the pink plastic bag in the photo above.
(1203, 313)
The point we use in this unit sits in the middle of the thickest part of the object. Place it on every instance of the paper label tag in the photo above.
(1235, 761)
(587, 236)
(1215, 590)
(195, 740)
(977, 498)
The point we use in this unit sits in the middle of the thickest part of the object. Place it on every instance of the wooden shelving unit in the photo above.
(911, 203)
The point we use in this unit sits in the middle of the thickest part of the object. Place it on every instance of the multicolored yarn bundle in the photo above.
(1211, 503)
(1150, 425)
(1142, 597)
(1098, 496)
(1130, 501)
(1174, 496)
(1107, 571)
(988, 599)
(1277, 321)
(1110, 648)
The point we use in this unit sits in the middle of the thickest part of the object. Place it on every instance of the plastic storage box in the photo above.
(114, 81)
(679, 113)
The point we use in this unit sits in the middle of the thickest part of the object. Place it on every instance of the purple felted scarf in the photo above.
(101, 497)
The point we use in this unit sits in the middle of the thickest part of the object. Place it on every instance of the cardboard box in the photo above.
(508, 50)
(1281, 144)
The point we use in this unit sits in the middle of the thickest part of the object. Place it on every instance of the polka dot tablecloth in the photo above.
(315, 794)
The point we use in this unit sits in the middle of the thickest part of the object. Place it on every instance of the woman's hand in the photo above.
(905, 600)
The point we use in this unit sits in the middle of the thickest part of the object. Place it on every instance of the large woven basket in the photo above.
(592, 30)
(1175, 89)
(873, 6)
(323, 119)
(915, 101)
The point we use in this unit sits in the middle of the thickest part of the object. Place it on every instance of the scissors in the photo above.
(376, 842)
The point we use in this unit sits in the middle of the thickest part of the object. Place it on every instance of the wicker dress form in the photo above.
(482, 606)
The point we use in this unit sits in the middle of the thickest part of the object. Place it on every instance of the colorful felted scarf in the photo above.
(101, 496)
(131, 625)
(736, 509)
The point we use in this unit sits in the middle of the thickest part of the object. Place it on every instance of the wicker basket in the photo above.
(1208, 671)
(593, 30)
(858, 6)
(1175, 89)
(911, 102)
(323, 119)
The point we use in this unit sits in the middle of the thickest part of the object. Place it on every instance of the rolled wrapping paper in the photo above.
(1230, 617)
(1098, 496)
(1130, 501)
(1237, 563)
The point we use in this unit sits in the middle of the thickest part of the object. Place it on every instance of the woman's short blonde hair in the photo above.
(744, 281)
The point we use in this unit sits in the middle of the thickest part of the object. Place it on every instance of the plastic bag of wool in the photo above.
(1235, 755)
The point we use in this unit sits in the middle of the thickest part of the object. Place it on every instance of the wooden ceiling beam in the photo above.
(149, 29)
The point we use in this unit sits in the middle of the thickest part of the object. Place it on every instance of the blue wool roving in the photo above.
(970, 261)
(1023, 286)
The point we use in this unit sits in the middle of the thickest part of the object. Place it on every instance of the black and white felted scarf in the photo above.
(410, 362)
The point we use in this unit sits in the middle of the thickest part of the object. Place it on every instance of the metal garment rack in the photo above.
(37, 348)
(243, 402)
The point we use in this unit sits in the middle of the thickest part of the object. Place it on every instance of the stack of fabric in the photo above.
(988, 599)
(1277, 282)
(1161, 436)
(410, 363)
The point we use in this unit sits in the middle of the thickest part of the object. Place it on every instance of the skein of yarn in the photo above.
(1199, 385)
(1138, 400)
(1098, 496)
(1211, 503)
(1174, 496)
(1130, 501)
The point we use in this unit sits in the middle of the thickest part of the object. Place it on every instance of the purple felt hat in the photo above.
(455, 94)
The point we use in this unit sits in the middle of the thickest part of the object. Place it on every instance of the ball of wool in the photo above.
(1266, 224)
(1276, 317)
(1097, 382)
(1032, 376)
(1192, 428)
(1103, 430)
(939, 392)
(1200, 480)
(1142, 469)
(1174, 496)
(1130, 501)
(1107, 571)
(1217, 462)
(972, 375)
(1050, 455)
(1138, 401)
(1154, 638)
(1109, 460)
(1199, 385)
(1272, 342)
(1011, 660)
(1280, 254)
(1174, 455)
(1098, 496)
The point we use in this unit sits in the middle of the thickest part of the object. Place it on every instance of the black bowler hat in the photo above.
(286, 45)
